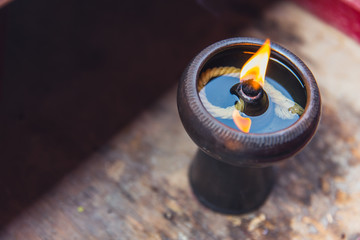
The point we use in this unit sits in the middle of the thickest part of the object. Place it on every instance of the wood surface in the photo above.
(68, 73)
(136, 185)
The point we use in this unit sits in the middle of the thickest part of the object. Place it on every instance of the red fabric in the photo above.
(343, 14)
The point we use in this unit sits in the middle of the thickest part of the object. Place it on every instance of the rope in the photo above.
(284, 107)
(216, 72)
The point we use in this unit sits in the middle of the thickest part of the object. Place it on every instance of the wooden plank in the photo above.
(136, 186)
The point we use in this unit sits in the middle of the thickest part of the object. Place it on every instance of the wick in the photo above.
(253, 97)
(250, 91)
(251, 88)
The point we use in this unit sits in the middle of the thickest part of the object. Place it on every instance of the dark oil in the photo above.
(217, 92)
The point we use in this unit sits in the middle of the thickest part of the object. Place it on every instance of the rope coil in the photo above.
(284, 107)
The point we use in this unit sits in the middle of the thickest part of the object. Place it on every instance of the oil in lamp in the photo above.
(247, 104)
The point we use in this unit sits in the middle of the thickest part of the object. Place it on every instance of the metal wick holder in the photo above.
(256, 100)
(232, 172)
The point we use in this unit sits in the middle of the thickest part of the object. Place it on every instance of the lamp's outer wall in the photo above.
(235, 147)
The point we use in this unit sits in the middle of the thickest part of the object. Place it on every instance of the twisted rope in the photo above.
(210, 73)
(285, 108)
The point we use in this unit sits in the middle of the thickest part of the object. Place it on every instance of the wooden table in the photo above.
(136, 186)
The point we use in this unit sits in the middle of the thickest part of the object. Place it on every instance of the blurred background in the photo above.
(74, 73)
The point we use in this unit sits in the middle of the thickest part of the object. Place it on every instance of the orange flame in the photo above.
(242, 123)
(255, 67)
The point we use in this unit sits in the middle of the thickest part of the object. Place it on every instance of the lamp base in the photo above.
(229, 189)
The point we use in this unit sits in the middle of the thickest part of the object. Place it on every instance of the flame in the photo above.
(255, 67)
(242, 123)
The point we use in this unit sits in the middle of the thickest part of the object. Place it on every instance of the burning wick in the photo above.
(250, 88)
(252, 76)
(249, 91)
(252, 79)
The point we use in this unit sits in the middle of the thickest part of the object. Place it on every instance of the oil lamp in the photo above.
(247, 104)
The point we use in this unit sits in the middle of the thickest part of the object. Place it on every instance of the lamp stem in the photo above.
(229, 189)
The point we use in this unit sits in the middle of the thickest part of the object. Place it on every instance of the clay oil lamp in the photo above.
(247, 104)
